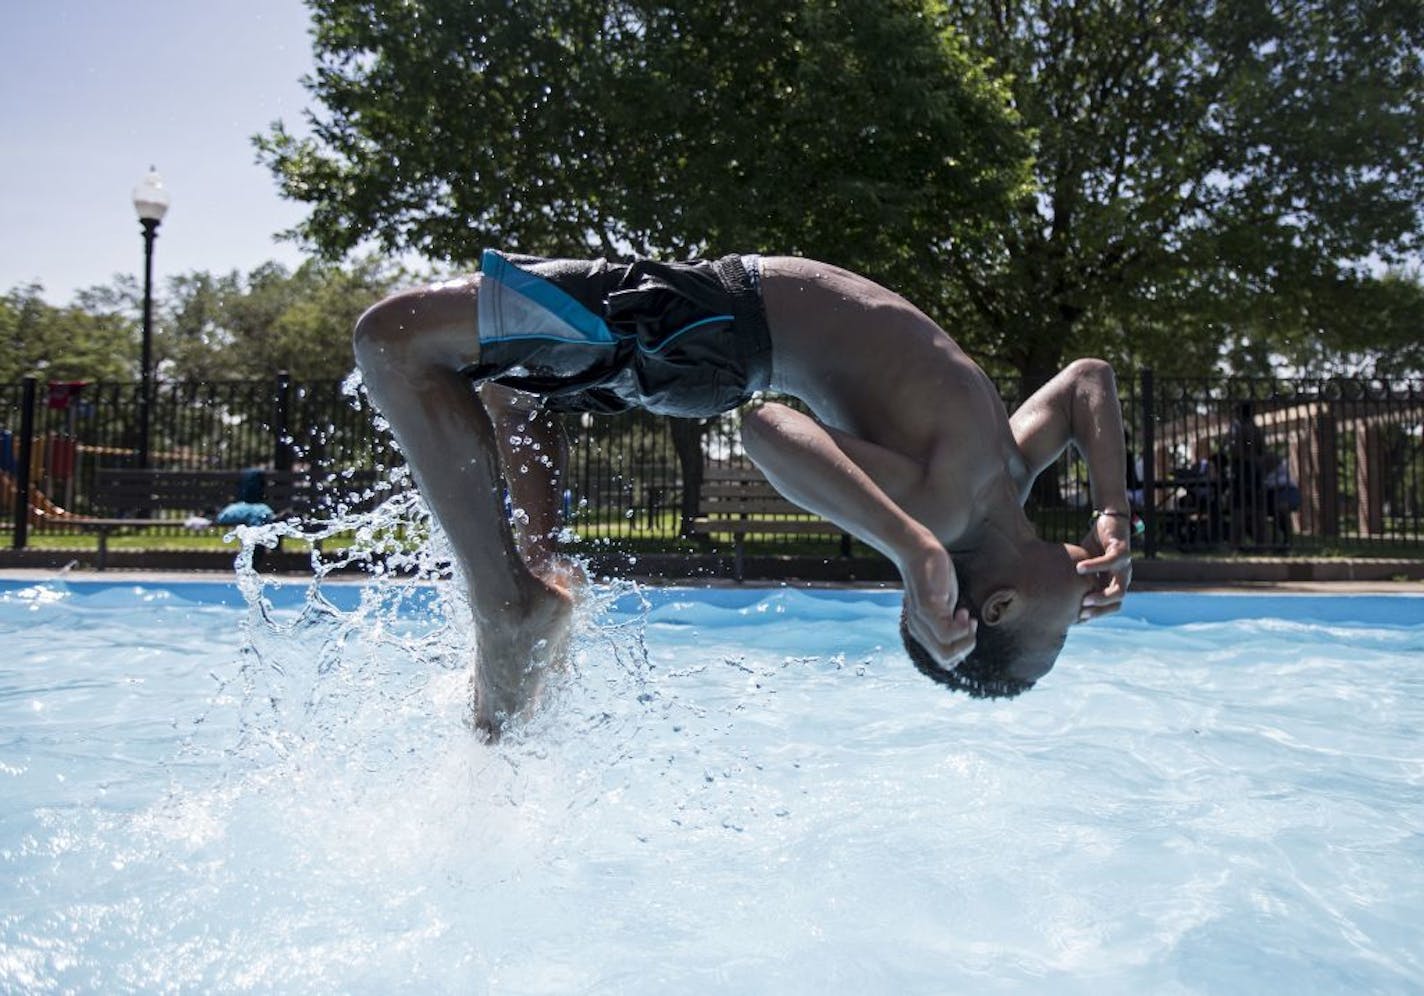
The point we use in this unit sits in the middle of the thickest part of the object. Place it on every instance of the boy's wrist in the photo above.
(915, 542)
(1116, 504)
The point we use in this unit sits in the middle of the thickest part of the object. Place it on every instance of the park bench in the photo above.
(133, 499)
(740, 502)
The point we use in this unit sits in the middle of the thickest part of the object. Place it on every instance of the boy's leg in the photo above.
(534, 454)
(410, 349)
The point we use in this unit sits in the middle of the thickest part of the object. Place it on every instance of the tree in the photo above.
(1363, 325)
(1210, 182)
(859, 131)
(95, 338)
(241, 327)
(197, 338)
(1207, 174)
(206, 327)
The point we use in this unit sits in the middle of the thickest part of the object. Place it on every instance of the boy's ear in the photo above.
(1001, 605)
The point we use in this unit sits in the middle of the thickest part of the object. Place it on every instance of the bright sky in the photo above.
(94, 91)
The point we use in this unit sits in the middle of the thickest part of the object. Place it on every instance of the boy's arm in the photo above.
(811, 467)
(1080, 407)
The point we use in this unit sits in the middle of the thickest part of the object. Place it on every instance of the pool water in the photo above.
(735, 790)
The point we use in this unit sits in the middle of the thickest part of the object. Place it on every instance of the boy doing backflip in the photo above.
(907, 446)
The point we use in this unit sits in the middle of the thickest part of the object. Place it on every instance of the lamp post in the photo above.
(150, 200)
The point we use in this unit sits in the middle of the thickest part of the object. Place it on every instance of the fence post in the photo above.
(22, 470)
(1369, 478)
(1149, 464)
(1325, 500)
(281, 419)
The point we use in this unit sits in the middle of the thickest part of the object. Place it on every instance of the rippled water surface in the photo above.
(732, 791)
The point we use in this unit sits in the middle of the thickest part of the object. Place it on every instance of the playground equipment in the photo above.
(41, 508)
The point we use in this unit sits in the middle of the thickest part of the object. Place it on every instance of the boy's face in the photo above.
(1052, 593)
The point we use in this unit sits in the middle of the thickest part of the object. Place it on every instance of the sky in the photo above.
(93, 92)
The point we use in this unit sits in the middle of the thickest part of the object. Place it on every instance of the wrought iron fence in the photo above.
(79, 429)
(1281, 466)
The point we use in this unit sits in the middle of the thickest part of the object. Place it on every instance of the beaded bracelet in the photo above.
(1138, 526)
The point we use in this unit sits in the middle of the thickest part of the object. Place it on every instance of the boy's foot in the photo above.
(513, 653)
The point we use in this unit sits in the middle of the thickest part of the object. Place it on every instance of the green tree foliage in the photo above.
(1209, 179)
(273, 319)
(1210, 176)
(1369, 326)
(859, 131)
(94, 338)
(206, 327)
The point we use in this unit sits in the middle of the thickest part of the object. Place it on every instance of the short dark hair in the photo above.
(988, 671)
(984, 674)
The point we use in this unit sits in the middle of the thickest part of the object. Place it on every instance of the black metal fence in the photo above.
(1281, 466)
(74, 430)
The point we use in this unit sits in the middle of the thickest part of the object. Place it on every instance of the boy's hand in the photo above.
(931, 593)
(1109, 545)
(565, 574)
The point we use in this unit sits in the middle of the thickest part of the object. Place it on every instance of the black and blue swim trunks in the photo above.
(687, 339)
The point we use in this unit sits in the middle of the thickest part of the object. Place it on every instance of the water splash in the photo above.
(385, 685)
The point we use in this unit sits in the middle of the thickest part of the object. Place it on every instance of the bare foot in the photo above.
(513, 653)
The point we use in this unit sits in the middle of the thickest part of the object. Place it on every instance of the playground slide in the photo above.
(41, 508)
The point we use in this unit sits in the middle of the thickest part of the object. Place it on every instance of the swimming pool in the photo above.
(734, 790)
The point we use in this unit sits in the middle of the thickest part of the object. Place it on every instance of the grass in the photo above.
(585, 545)
(202, 543)
(659, 535)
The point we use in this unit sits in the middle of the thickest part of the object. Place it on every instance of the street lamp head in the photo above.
(150, 197)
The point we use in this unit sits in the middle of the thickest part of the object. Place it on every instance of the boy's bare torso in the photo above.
(875, 367)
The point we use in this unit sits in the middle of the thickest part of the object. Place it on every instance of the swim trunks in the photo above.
(687, 339)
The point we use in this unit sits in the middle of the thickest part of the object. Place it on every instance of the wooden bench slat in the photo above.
(92, 523)
(753, 506)
(180, 493)
(768, 526)
(741, 502)
(734, 473)
(711, 492)
(192, 491)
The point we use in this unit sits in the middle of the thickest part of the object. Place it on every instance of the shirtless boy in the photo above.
(908, 447)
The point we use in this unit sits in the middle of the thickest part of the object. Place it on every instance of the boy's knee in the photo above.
(432, 325)
(384, 334)
(761, 423)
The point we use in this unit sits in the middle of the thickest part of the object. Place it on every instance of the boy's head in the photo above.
(1024, 604)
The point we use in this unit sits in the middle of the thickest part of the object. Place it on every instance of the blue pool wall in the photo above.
(1155, 608)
